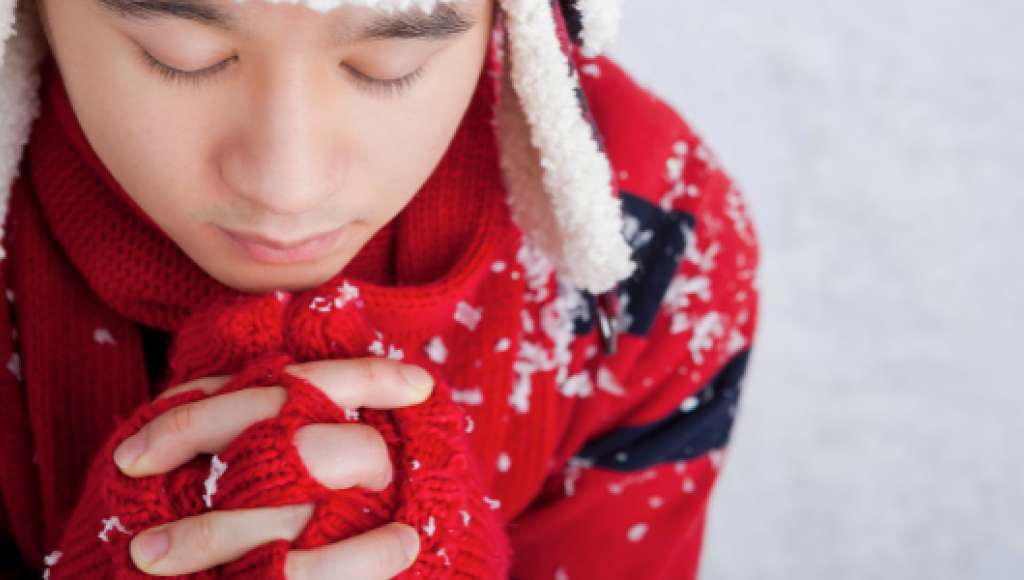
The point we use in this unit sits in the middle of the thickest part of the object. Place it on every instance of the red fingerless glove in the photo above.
(436, 486)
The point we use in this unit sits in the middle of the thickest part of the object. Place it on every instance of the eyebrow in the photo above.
(444, 21)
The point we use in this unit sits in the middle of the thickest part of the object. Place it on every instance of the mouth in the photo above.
(276, 252)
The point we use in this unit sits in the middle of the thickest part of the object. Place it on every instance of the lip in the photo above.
(270, 251)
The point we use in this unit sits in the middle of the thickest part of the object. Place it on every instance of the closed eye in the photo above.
(367, 83)
(385, 87)
(176, 75)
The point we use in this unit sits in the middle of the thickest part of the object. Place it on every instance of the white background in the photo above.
(879, 145)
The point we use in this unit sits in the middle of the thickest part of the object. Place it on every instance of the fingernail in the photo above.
(417, 378)
(410, 540)
(129, 450)
(150, 547)
(388, 477)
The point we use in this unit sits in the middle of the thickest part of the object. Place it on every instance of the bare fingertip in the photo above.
(418, 378)
(410, 541)
(129, 451)
(149, 547)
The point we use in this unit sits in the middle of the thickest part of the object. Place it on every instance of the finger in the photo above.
(340, 456)
(205, 426)
(376, 383)
(379, 553)
(200, 542)
(207, 385)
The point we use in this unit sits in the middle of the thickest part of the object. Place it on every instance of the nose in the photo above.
(283, 157)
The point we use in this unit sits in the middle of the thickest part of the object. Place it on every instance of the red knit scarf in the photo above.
(86, 262)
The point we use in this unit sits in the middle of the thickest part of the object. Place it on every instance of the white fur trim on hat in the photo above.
(22, 48)
(560, 188)
(601, 20)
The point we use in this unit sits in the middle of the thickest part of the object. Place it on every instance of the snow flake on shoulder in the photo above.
(577, 385)
(436, 350)
(468, 315)
(544, 351)
(637, 531)
(659, 240)
(504, 462)
(674, 175)
(537, 268)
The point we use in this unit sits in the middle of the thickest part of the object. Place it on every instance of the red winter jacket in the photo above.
(602, 463)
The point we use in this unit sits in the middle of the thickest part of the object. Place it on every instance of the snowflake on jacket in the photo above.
(646, 435)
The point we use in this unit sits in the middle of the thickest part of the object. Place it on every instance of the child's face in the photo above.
(284, 138)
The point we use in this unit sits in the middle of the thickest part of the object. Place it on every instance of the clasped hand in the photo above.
(213, 538)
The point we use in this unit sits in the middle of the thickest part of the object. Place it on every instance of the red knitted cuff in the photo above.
(260, 468)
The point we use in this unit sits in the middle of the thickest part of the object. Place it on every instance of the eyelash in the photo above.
(193, 78)
(385, 88)
(374, 86)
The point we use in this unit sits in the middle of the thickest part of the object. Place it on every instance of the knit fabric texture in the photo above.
(141, 275)
(581, 450)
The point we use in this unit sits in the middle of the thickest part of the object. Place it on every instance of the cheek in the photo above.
(147, 140)
(400, 152)
(158, 163)
(409, 135)
(403, 157)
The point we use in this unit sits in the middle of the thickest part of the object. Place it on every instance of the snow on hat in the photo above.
(561, 189)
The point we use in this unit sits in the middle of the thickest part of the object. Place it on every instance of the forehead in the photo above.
(430, 19)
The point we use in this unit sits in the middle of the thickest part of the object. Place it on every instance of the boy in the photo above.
(358, 288)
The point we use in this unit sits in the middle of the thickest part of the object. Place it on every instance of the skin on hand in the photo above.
(200, 542)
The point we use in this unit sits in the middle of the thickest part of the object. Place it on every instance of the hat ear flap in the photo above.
(558, 178)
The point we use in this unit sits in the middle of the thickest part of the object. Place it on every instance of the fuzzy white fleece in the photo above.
(601, 20)
(558, 180)
(560, 187)
(22, 47)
